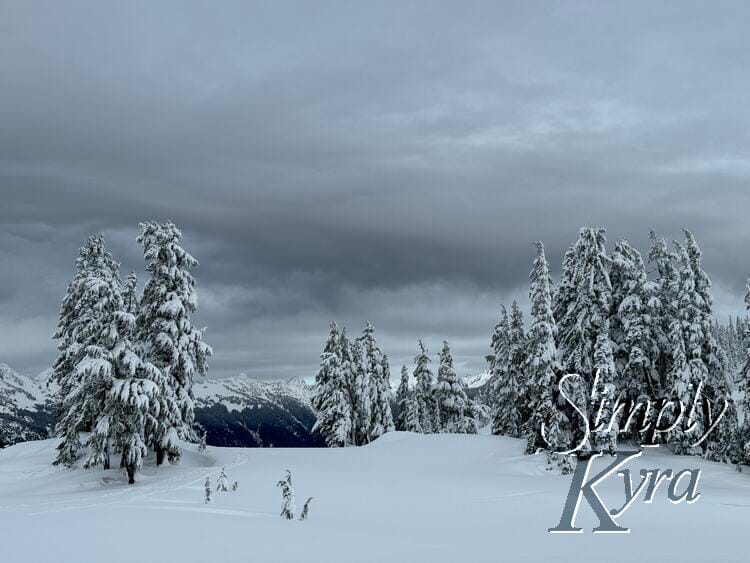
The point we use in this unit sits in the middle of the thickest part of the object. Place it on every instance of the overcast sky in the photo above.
(390, 161)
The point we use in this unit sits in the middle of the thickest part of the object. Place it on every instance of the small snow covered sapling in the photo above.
(235, 486)
(202, 443)
(207, 486)
(287, 496)
(223, 482)
(305, 509)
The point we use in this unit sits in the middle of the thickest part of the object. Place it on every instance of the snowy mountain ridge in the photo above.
(236, 411)
(242, 391)
(25, 412)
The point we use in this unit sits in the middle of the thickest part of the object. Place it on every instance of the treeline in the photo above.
(648, 332)
(126, 361)
(353, 393)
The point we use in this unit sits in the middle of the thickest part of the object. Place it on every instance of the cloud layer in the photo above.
(385, 161)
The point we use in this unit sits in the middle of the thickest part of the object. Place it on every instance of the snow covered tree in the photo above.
(633, 325)
(202, 443)
(583, 302)
(358, 386)
(686, 334)
(411, 416)
(305, 509)
(207, 490)
(331, 395)
(664, 312)
(427, 408)
(510, 392)
(499, 359)
(86, 315)
(287, 496)
(167, 336)
(604, 370)
(130, 301)
(125, 391)
(223, 483)
(450, 396)
(403, 394)
(542, 366)
(376, 370)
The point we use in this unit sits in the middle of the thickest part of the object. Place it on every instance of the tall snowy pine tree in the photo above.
(331, 396)
(168, 338)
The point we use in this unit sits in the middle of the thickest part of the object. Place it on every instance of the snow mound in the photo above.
(404, 498)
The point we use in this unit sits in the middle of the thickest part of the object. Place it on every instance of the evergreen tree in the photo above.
(664, 312)
(542, 365)
(86, 317)
(632, 328)
(498, 359)
(686, 334)
(207, 490)
(450, 396)
(377, 373)
(202, 443)
(583, 302)
(287, 496)
(403, 394)
(604, 370)
(350, 366)
(509, 385)
(130, 301)
(411, 416)
(305, 509)
(223, 482)
(168, 338)
(423, 395)
(331, 396)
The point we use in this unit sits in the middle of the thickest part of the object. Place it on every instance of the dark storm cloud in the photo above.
(382, 161)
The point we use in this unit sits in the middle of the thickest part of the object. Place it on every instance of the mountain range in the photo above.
(237, 411)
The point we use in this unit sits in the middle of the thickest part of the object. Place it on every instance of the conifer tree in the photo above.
(451, 396)
(632, 326)
(604, 440)
(86, 316)
(350, 367)
(361, 406)
(167, 336)
(375, 364)
(207, 490)
(130, 301)
(331, 396)
(498, 359)
(305, 509)
(403, 394)
(583, 302)
(411, 416)
(287, 497)
(542, 366)
(223, 483)
(423, 392)
(664, 312)
(509, 390)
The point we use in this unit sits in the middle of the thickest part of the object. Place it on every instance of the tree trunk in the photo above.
(130, 468)
(106, 455)
(159, 455)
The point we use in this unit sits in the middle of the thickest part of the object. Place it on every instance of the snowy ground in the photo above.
(444, 498)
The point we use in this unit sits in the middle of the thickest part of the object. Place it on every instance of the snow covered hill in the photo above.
(24, 409)
(404, 498)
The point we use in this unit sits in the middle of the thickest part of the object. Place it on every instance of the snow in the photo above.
(405, 497)
(241, 391)
(18, 391)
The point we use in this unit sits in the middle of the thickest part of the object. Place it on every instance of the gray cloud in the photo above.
(390, 161)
